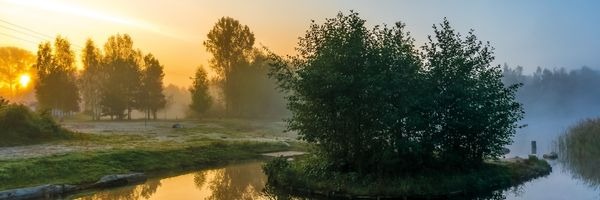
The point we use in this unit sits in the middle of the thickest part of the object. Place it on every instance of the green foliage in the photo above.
(242, 72)
(230, 44)
(19, 125)
(201, 99)
(475, 115)
(373, 105)
(56, 88)
(123, 76)
(91, 79)
(151, 97)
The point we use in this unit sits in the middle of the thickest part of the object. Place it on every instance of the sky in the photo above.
(532, 33)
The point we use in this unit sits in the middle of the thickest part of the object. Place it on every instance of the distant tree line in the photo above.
(556, 92)
(112, 83)
(373, 103)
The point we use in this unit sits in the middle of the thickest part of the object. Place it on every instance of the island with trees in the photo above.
(389, 120)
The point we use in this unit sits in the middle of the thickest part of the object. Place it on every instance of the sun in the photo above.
(24, 80)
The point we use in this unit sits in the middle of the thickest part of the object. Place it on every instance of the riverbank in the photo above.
(295, 178)
(87, 167)
(103, 148)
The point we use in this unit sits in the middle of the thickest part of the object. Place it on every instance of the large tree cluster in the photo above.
(113, 82)
(372, 102)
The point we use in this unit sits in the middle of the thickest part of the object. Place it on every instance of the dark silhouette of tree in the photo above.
(151, 97)
(354, 92)
(475, 115)
(230, 44)
(123, 77)
(201, 99)
(373, 105)
(91, 79)
(15, 62)
(56, 88)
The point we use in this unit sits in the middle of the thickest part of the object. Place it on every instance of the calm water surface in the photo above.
(247, 181)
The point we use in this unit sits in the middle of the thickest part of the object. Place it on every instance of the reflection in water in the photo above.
(240, 181)
(579, 150)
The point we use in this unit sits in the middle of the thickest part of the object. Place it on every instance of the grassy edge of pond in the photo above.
(88, 167)
(296, 177)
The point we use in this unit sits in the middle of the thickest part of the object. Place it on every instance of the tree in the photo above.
(201, 99)
(151, 93)
(15, 62)
(230, 43)
(475, 114)
(353, 92)
(123, 77)
(91, 79)
(56, 88)
(371, 104)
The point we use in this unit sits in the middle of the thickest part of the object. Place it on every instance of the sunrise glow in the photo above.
(24, 80)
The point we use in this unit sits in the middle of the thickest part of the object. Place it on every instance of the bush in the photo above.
(19, 125)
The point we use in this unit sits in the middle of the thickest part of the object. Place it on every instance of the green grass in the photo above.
(301, 177)
(87, 167)
(21, 126)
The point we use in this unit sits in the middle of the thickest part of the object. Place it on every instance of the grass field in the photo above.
(101, 148)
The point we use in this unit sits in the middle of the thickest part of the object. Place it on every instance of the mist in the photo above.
(553, 99)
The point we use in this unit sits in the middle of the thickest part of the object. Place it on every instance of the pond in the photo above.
(247, 181)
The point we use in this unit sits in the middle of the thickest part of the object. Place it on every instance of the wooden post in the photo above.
(533, 147)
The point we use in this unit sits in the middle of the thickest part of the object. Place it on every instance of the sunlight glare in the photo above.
(24, 80)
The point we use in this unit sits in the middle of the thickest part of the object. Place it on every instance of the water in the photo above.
(562, 183)
(236, 181)
(247, 181)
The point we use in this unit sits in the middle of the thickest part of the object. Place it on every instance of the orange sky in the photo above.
(172, 30)
(522, 32)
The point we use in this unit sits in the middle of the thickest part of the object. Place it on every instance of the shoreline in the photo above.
(496, 175)
(84, 168)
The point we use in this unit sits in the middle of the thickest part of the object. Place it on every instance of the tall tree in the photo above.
(91, 79)
(44, 68)
(15, 62)
(57, 88)
(476, 115)
(230, 44)
(201, 99)
(123, 77)
(355, 93)
(151, 93)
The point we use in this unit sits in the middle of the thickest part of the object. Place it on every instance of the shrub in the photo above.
(19, 125)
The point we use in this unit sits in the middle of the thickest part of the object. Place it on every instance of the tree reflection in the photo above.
(245, 181)
(142, 191)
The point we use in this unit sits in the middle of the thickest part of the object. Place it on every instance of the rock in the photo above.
(37, 192)
(178, 125)
(120, 180)
(550, 156)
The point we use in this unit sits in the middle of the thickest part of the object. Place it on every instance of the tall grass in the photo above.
(579, 150)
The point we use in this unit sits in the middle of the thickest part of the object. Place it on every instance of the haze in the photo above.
(530, 34)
